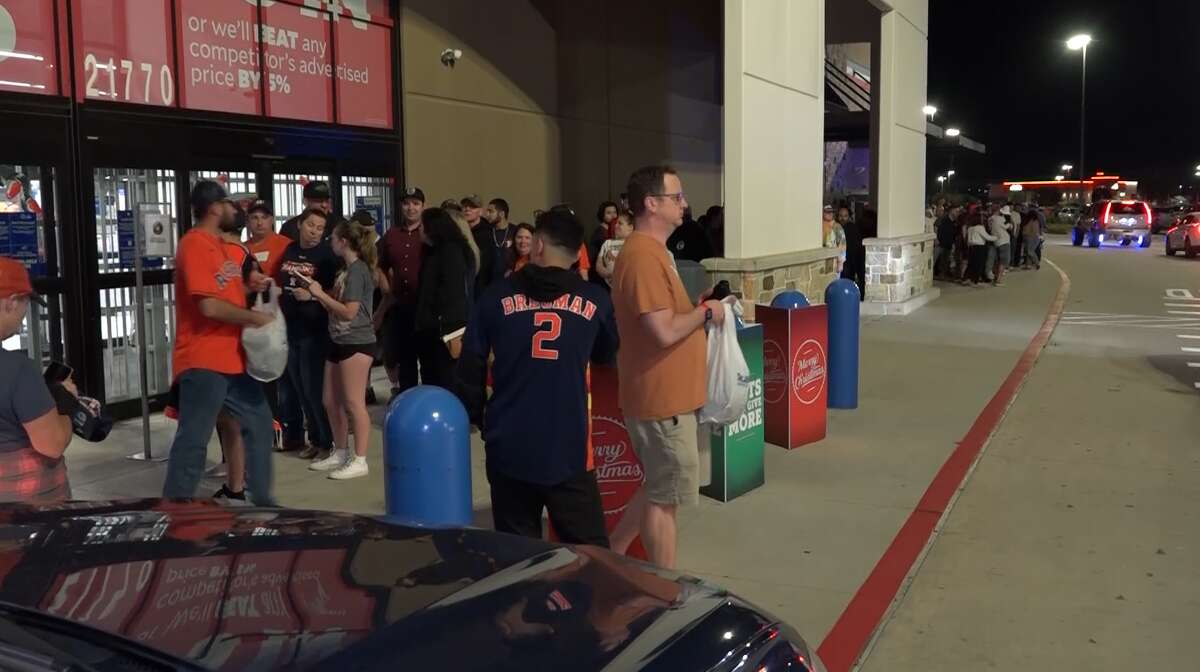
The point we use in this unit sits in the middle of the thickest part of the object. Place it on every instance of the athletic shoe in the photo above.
(335, 459)
(997, 284)
(310, 452)
(226, 493)
(352, 468)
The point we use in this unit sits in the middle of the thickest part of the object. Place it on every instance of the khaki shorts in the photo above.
(676, 459)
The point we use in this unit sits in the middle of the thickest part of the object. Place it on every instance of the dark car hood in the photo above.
(246, 588)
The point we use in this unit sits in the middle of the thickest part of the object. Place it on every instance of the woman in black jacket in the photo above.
(444, 297)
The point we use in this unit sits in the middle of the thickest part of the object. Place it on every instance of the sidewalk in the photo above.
(801, 545)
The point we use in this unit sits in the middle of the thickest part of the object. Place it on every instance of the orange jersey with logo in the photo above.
(207, 267)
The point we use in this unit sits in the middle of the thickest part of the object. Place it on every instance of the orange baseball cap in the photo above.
(14, 281)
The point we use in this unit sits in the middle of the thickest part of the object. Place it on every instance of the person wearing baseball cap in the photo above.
(35, 424)
(209, 363)
(316, 195)
(400, 256)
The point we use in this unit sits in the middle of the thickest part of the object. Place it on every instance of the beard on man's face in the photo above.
(232, 220)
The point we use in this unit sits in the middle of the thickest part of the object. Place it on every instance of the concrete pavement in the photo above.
(802, 544)
(1073, 545)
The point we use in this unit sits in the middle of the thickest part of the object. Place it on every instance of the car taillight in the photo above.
(1171, 230)
(1107, 211)
(1148, 218)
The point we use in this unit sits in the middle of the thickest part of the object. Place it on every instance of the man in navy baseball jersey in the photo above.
(543, 324)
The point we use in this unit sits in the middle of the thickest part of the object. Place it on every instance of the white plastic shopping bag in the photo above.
(266, 347)
(728, 374)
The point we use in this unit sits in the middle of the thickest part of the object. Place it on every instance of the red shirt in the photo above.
(400, 257)
(207, 267)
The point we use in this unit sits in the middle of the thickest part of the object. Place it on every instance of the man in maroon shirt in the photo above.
(400, 258)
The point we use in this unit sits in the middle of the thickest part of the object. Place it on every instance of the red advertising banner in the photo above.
(364, 74)
(123, 51)
(299, 66)
(28, 63)
(795, 374)
(618, 469)
(218, 57)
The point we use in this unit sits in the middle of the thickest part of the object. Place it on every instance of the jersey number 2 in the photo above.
(544, 336)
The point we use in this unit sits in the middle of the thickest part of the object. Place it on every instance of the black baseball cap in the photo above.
(205, 193)
(317, 191)
(363, 217)
(472, 200)
(414, 193)
(260, 206)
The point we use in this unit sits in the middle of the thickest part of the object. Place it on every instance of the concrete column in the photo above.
(773, 137)
(900, 260)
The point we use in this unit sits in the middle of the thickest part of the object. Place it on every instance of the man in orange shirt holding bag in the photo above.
(662, 366)
(209, 363)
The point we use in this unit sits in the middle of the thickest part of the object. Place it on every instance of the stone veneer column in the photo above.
(759, 279)
(899, 274)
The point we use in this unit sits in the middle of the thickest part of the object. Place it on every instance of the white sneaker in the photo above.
(335, 459)
(353, 468)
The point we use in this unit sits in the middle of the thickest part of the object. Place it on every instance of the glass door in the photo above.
(288, 194)
(373, 194)
(121, 193)
(29, 234)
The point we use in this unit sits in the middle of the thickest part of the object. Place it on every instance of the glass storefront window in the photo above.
(119, 192)
(118, 335)
(240, 185)
(289, 194)
(34, 338)
(370, 193)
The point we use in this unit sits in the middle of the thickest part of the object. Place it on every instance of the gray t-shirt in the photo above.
(23, 397)
(354, 283)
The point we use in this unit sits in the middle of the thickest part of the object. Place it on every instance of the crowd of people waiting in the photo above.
(506, 315)
(978, 244)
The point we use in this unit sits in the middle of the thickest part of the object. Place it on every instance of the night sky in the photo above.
(1001, 72)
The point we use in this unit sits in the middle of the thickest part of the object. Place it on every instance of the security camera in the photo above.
(450, 57)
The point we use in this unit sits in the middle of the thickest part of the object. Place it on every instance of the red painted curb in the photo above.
(854, 628)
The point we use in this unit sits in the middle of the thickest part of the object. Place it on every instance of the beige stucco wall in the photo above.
(557, 101)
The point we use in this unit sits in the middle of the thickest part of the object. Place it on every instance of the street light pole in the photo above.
(1075, 44)
(1082, 117)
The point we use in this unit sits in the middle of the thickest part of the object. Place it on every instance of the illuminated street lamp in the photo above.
(949, 173)
(929, 111)
(1080, 43)
(953, 132)
(1058, 178)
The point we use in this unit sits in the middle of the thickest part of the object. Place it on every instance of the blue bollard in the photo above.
(790, 300)
(427, 459)
(842, 298)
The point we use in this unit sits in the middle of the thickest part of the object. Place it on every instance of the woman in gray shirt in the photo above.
(353, 349)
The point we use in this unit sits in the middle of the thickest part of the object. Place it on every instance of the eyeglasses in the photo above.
(679, 198)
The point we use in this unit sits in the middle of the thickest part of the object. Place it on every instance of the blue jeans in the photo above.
(202, 395)
(306, 384)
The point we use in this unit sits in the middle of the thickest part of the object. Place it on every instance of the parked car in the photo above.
(1122, 221)
(1167, 216)
(169, 585)
(1184, 236)
(1068, 212)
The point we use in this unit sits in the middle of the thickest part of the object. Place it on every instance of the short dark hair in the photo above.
(500, 204)
(440, 228)
(645, 182)
(605, 206)
(561, 228)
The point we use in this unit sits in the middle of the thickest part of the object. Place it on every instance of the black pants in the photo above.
(437, 367)
(855, 269)
(399, 345)
(574, 506)
(977, 263)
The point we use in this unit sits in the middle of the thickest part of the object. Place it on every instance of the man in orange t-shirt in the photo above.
(209, 364)
(266, 245)
(662, 365)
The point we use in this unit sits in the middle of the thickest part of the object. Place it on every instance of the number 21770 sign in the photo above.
(123, 51)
